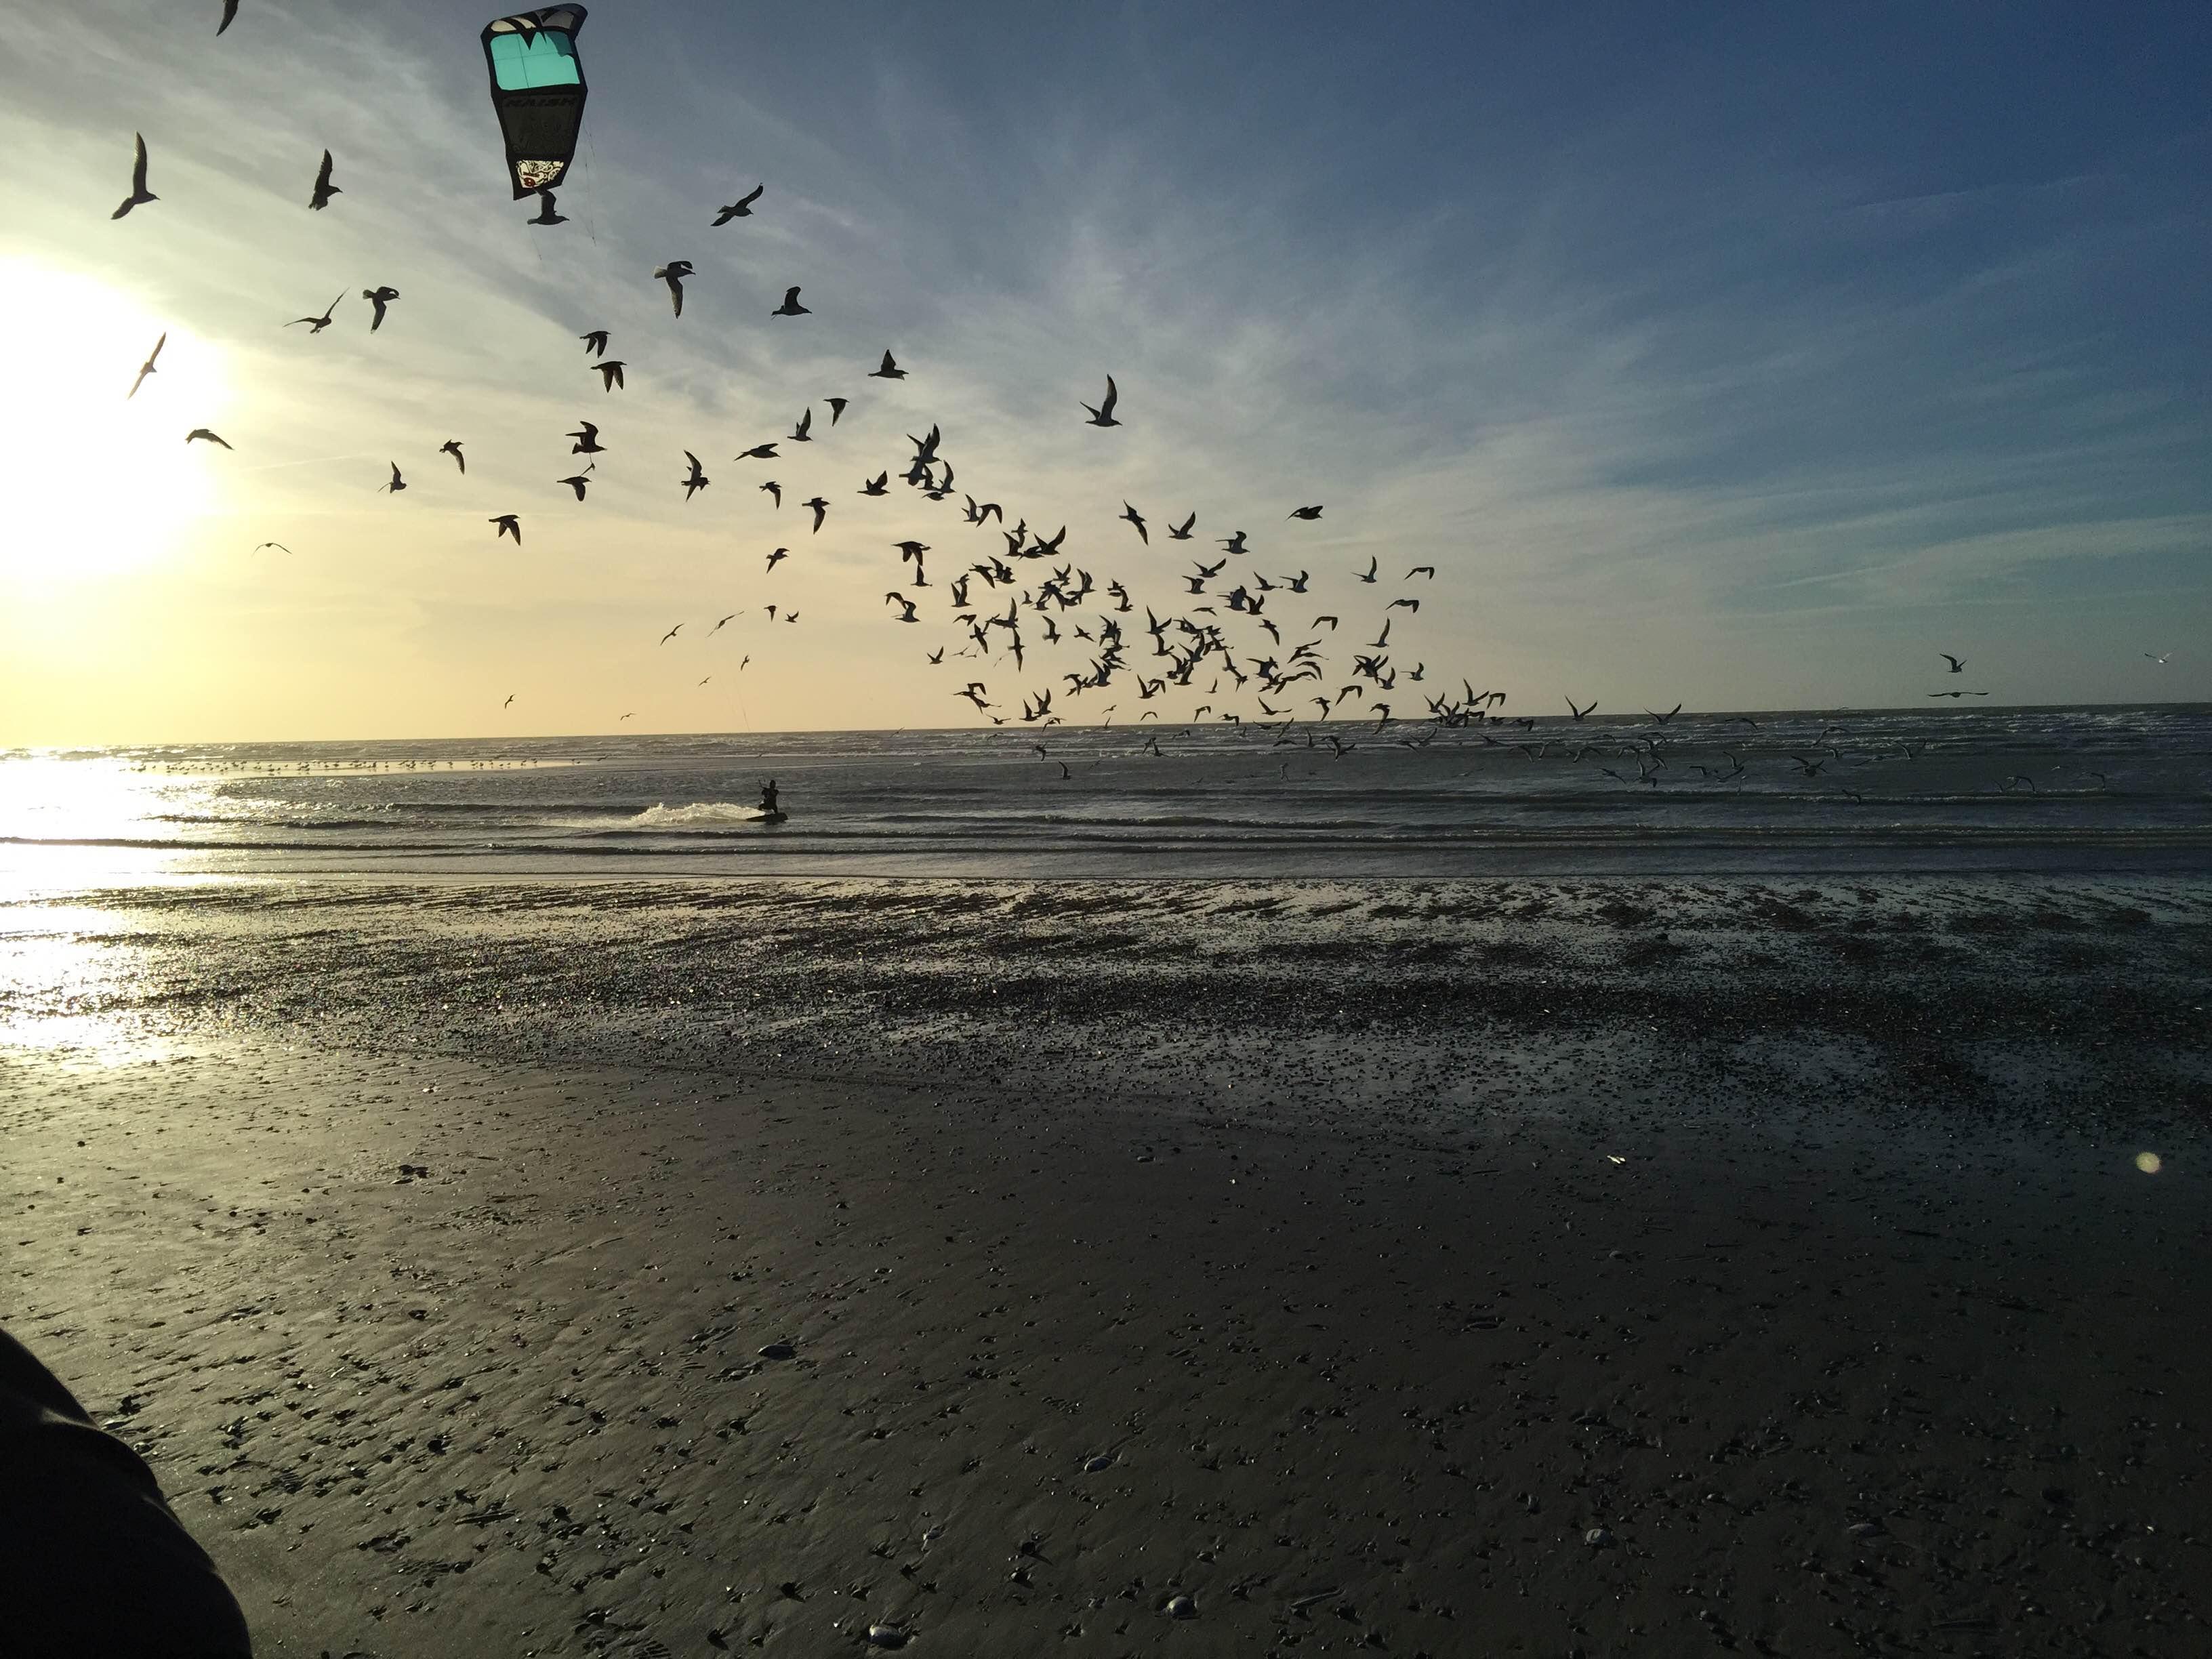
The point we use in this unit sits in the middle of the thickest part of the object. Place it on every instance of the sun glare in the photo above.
(99, 481)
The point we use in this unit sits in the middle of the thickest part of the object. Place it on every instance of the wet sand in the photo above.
(442, 1357)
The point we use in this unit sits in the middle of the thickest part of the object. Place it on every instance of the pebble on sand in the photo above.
(778, 1351)
(886, 1636)
(1598, 1539)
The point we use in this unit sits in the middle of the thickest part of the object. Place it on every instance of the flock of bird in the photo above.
(1244, 629)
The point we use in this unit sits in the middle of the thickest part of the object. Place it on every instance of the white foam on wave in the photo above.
(699, 814)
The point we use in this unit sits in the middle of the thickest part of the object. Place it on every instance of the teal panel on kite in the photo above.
(520, 63)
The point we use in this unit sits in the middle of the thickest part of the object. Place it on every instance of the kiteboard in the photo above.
(773, 817)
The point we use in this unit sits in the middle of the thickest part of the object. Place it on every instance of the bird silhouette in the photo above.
(671, 633)
(610, 374)
(320, 196)
(1103, 414)
(595, 342)
(1958, 663)
(697, 480)
(229, 15)
(740, 209)
(821, 511)
(453, 446)
(889, 370)
(836, 408)
(772, 489)
(507, 524)
(576, 482)
(380, 298)
(397, 484)
(146, 368)
(790, 308)
(201, 432)
(1138, 520)
(799, 433)
(587, 439)
(280, 546)
(673, 274)
(757, 452)
(1308, 513)
(317, 325)
(878, 485)
(906, 614)
(778, 557)
(139, 195)
(1580, 714)
(723, 623)
(1180, 533)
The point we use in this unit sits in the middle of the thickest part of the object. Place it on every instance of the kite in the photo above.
(538, 88)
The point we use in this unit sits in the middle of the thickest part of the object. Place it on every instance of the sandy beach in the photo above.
(1622, 1345)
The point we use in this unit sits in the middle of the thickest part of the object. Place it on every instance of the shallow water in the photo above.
(2053, 790)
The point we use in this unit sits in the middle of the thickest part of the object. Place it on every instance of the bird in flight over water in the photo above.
(2155, 656)
(320, 197)
(146, 368)
(1103, 414)
(1958, 663)
(740, 209)
(139, 194)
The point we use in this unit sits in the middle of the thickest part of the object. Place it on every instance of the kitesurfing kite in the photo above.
(538, 88)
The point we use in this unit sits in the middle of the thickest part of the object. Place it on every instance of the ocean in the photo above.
(2053, 790)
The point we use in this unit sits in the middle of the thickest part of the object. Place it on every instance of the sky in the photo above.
(1735, 356)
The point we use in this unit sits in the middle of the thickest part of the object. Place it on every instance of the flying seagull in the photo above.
(889, 371)
(595, 342)
(777, 557)
(878, 485)
(2155, 656)
(799, 433)
(1138, 520)
(547, 214)
(671, 633)
(772, 487)
(397, 484)
(610, 374)
(1102, 415)
(146, 368)
(1180, 533)
(740, 209)
(576, 482)
(821, 511)
(229, 15)
(698, 480)
(317, 325)
(379, 297)
(673, 274)
(453, 446)
(509, 524)
(758, 452)
(1958, 663)
(324, 188)
(836, 408)
(257, 546)
(1581, 714)
(1308, 513)
(907, 607)
(723, 622)
(790, 308)
(139, 194)
(211, 437)
(587, 440)
(510, 700)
